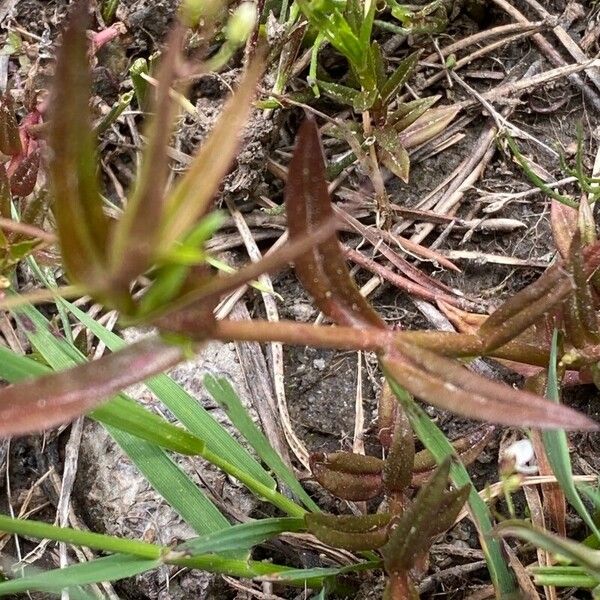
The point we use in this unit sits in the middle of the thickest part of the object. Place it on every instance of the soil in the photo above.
(321, 386)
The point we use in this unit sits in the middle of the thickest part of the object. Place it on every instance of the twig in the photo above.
(297, 446)
(552, 54)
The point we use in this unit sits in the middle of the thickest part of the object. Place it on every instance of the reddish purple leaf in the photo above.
(51, 400)
(24, 177)
(322, 270)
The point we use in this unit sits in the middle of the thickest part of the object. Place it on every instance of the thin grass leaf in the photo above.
(440, 447)
(96, 541)
(574, 551)
(224, 395)
(82, 225)
(168, 479)
(189, 411)
(557, 446)
(534, 178)
(241, 537)
(110, 568)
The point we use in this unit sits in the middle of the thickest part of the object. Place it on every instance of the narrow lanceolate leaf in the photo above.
(322, 270)
(82, 225)
(467, 449)
(136, 234)
(340, 93)
(400, 76)
(581, 321)
(392, 153)
(51, 400)
(190, 200)
(563, 220)
(5, 195)
(347, 475)
(525, 308)
(578, 553)
(22, 181)
(447, 384)
(557, 447)
(428, 125)
(10, 142)
(437, 443)
(432, 508)
(408, 112)
(365, 532)
(398, 467)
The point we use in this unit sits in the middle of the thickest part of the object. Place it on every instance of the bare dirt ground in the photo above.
(321, 387)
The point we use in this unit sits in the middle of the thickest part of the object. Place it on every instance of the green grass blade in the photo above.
(242, 537)
(169, 480)
(439, 446)
(110, 568)
(557, 447)
(222, 392)
(96, 541)
(185, 407)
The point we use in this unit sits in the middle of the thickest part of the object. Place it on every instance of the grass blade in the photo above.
(109, 568)
(222, 392)
(97, 541)
(242, 537)
(557, 447)
(168, 479)
(185, 407)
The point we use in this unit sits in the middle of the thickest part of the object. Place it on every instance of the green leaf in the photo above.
(330, 22)
(408, 112)
(110, 568)
(241, 537)
(187, 409)
(136, 234)
(400, 76)
(428, 125)
(557, 447)
(574, 551)
(392, 153)
(169, 480)
(222, 392)
(96, 541)
(339, 93)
